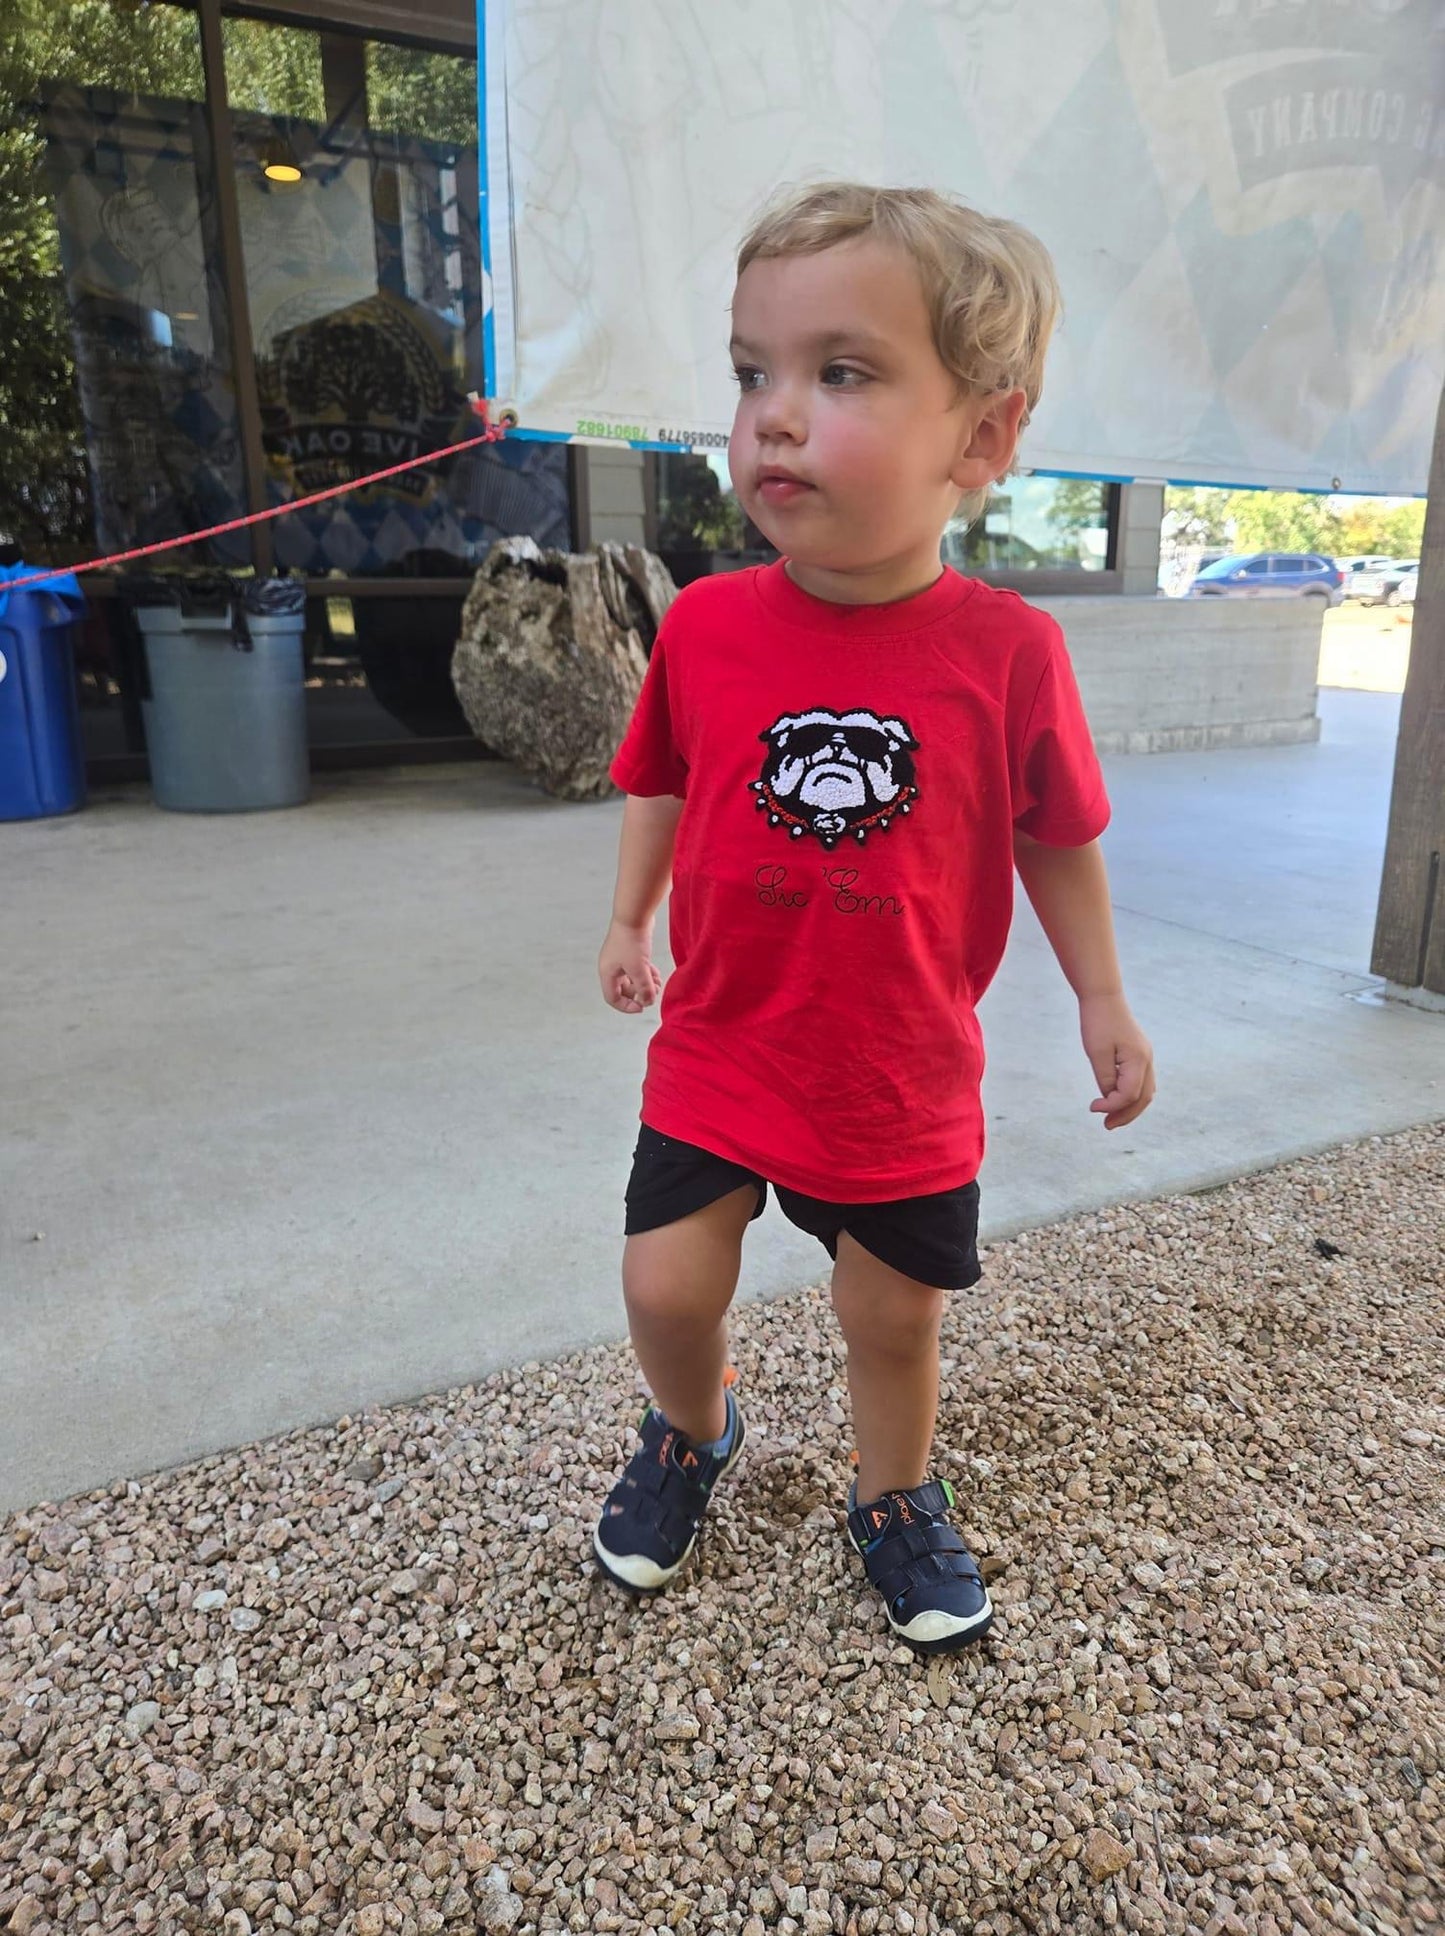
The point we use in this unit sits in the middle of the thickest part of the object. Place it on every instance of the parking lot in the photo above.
(1365, 648)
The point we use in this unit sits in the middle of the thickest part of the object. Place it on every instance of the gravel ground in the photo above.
(364, 1678)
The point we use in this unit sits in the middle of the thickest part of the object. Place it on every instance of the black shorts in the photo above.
(932, 1239)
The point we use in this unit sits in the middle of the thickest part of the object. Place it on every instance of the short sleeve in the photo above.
(650, 760)
(1059, 792)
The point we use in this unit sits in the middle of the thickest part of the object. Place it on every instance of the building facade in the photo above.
(253, 273)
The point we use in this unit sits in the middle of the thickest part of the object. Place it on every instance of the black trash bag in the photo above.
(202, 590)
(274, 597)
(194, 591)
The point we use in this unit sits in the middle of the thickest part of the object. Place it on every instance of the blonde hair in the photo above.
(992, 294)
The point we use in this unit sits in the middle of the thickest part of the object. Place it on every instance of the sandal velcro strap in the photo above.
(661, 1480)
(651, 1519)
(674, 1510)
(929, 1581)
(671, 1474)
(914, 1555)
(650, 1480)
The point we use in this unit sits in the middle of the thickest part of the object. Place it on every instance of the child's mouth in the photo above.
(781, 490)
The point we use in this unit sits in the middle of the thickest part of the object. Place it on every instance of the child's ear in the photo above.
(989, 438)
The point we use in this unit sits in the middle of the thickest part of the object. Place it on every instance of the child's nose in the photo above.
(781, 412)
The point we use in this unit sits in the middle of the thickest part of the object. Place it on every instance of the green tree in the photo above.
(1285, 521)
(44, 486)
(695, 513)
(1374, 524)
(1194, 515)
(273, 70)
(1293, 521)
(431, 95)
(1076, 506)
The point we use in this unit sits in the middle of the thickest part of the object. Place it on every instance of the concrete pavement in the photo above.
(304, 1112)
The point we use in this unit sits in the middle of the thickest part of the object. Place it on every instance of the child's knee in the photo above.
(880, 1310)
(688, 1270)
(667, 1281)
(651, 1289)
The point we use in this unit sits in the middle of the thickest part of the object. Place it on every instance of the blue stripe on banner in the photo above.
(484, 199)
(1090, 477)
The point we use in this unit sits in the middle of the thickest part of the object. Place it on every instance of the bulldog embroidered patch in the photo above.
(836, 776)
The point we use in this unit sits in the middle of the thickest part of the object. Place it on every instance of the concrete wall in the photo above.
(1159, 675)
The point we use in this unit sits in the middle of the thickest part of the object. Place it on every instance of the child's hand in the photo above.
(1121, 1058)
(630, 983)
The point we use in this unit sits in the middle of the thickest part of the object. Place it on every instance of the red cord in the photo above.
(493, 434)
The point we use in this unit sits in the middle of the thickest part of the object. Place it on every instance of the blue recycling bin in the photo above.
(42, 767)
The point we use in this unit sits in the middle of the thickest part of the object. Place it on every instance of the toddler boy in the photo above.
(839, 760)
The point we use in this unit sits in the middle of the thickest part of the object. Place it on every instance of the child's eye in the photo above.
(842, 370)
(743, 373)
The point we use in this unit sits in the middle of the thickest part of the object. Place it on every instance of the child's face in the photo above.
(840, 385)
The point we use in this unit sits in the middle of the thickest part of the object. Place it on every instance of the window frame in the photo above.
(105, 586)
(233, 282)
(217, 105)
(1048, 581)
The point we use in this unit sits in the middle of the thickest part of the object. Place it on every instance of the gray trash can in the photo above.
(224, 699)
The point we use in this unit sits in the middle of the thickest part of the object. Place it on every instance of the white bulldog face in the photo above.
(831, 774)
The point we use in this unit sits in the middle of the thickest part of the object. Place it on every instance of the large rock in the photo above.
(552, 653)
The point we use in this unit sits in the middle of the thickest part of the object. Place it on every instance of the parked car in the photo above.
(1380, 584)
(1408, 586)
(1360, 574)
(1356, 570)
(1271, 574)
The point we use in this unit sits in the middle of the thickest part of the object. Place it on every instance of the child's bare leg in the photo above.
(891, 1326)
(679, 1282)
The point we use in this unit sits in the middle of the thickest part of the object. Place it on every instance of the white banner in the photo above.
(1245, 200)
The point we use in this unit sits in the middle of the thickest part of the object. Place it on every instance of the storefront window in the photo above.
(117, 397)
(1036, 524)
(356, 269)
(701, 527)
(1031, 523)
(363, 280)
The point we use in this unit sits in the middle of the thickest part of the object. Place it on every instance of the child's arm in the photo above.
(644, 865)
(1069, 889)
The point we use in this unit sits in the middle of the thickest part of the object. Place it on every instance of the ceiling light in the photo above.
(279, 163)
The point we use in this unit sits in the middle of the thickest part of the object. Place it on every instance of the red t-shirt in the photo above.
(843, 877)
